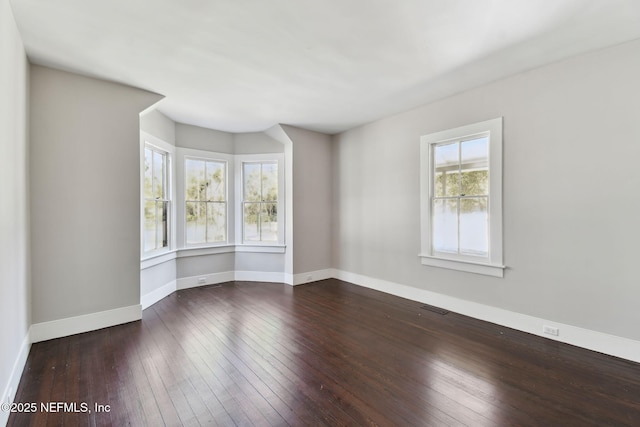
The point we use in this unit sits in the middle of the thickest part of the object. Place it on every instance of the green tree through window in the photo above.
(156, 200)
(461, 193)
(205, 201)
(260, 201)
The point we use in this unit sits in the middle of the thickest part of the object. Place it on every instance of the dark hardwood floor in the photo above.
(328, 353)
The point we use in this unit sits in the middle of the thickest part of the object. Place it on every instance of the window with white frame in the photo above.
(261, 191)
(260, 201)
(156, 200)
(205, 201)
(461, 198)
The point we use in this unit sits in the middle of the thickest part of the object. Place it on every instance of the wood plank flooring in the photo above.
(327, 353)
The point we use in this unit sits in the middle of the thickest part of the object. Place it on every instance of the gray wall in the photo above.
(312, 198)
(152, 278)
(188, 136)
(262, 262)
(571, 147)
(157, 124)
(14, 212)
(85, 194)
(255, 143)
(205, 264)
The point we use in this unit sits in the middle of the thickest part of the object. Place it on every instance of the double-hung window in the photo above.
(461, 198)
(260, 201)
(205, 201)
(156, 191)
(260, 188)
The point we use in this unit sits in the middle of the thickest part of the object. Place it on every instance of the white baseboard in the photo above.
(85, 323)
(204, 280)
(597, 341)
(9, 392)
(288, 279)
(230, 276)
(156, 295)
(313, 276)
(247, 276)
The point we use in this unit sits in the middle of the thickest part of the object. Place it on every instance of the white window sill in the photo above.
(271, 249)
(160, 258)
(187, 252)
(205, 250)
(463, 265)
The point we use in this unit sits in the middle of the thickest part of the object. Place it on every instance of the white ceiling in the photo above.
(325, 65)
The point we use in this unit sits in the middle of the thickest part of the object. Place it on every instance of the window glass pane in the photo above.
(447, 184)
(251, 173)
(475, 167)
(148, 174)
(474, 227)
(156, 208)
(252, 221)
(196, 213)
(475, 151)
(269, 221)
(149, 233)
(475, 182)
(161, 224)
(446, 156)
(270, 182)
(158, 175)
(194, 171)
(215, 185)
(439, 184)
(452, 184)
(445, 225)
(216, 222)
(447, 168)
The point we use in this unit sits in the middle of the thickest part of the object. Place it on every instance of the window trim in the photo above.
(158, 145)
(189, 153)
(491, 265)
(226, 201)
(239, 217)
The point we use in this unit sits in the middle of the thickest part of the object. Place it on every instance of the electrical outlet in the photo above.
(202, 280)
(551, 330)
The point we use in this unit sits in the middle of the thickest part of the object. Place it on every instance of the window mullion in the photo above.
(459, 192)
(261, 201)
(206, 205)
(259, 214)
(155, 208)
(206, 215)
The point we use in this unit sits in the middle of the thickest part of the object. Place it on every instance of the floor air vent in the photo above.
(437, 310)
